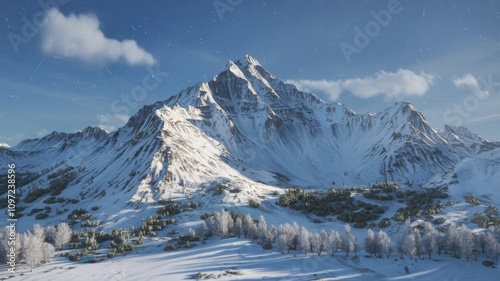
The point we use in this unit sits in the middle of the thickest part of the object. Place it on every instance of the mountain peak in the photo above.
(247, 61)
(4, 145)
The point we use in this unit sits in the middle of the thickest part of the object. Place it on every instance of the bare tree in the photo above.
(238, 226)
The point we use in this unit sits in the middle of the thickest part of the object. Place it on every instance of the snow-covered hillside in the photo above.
(249, 129)
(245, 135)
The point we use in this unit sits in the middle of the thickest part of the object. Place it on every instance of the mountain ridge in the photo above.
(249, 130)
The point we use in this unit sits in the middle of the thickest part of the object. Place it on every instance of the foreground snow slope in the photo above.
(254, 263)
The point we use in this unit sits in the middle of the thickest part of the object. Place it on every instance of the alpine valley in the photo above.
(244, 137)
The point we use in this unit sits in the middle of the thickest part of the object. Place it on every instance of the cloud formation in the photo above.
(391, 85)
(469, 81)
(79, 37)
(111, 122)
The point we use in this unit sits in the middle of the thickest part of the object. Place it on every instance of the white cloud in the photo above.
(331, 88)
(111, 122)
(391, 85)
(79, 36)
(42, 133)
(469, 81)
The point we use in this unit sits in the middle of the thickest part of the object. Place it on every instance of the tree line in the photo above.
(416, 240)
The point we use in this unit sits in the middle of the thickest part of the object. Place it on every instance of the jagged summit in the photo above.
(245, 62)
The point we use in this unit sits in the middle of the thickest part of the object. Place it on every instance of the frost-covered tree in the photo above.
(429, 243)
(4, 245)
(222, 224)
(293, 233)
(62, 235)
(238, 227)
(262, 230)
(32, 248)
(466, 242)
(492, 247)
(441, 242)
(319, 242)
(209, 223)
(304, 240)
(282, 243)
(408, 240)
(371, 245)
(48, 252)
(453, 240)
(334, 242)
(201, 230)
(249, 227)
(38, 231)
(347, 240)
(400, 247)
(355, 246)
(50, 233)
(417, 238)
(385, 247)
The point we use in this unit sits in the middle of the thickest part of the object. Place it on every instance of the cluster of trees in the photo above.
(336, 202)
(459, 242)
(420, 203)
(418, 240)
(488, 218)
(285, 237)
(37, 246)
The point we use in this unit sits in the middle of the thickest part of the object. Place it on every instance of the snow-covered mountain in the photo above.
(247, 128)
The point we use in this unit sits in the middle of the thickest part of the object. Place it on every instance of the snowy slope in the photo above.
(248, 129)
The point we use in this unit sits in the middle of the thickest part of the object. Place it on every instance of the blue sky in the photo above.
(70, 64)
